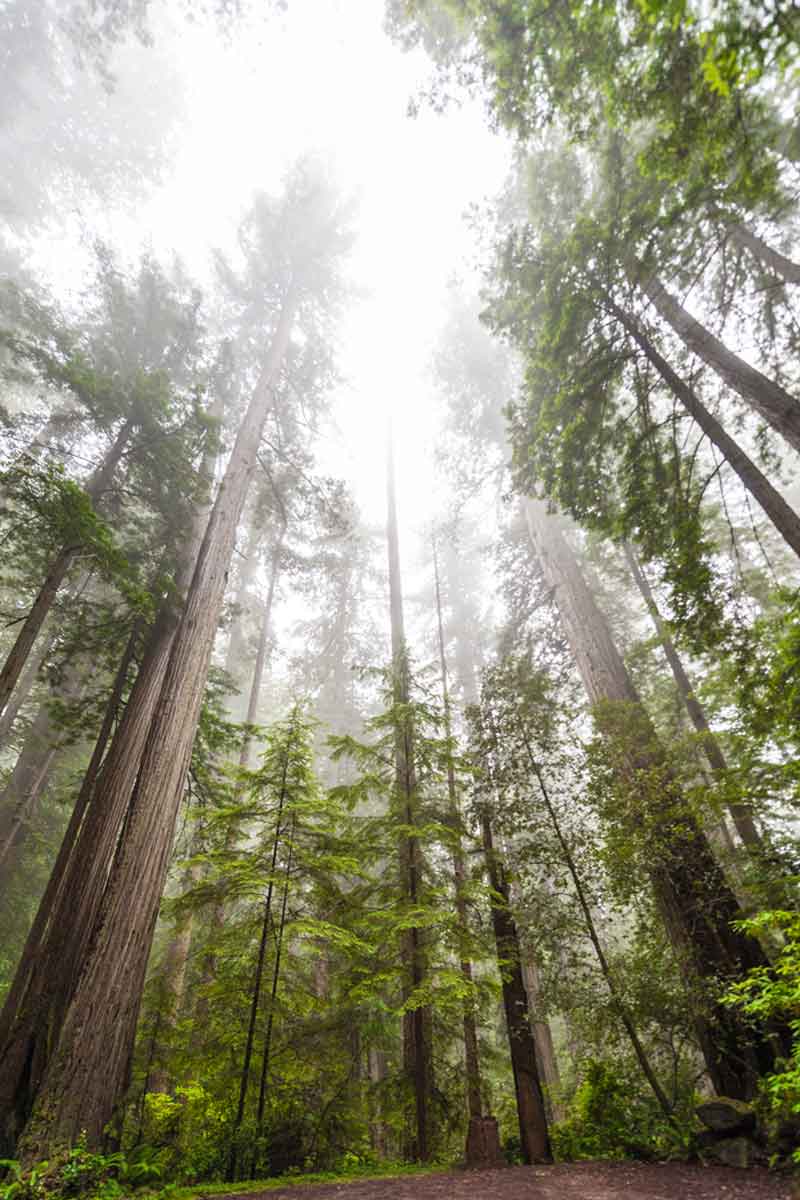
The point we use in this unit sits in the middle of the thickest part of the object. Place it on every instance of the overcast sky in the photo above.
(325, 77)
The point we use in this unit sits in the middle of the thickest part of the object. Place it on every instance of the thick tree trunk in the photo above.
(783, 517)
(25, 1021)
(173, 985)
(767, 398)
(696, 904)
(534, 1137)
(471, 1060)
(741, 814)
(417, 1062)
(543, 1040)
(89, 1071)
(18, 655)
(776, 262)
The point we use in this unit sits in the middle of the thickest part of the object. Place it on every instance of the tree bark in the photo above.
(173, 986)
(776, 262)
(605, 969)
(543, 1041)
(741, 814)
(767, 398)
(534, 1138)
(783, 517)
(696, 904)
(255, 999)
(23, 688)
(89, 1071)
(417, 1066)
(25, 1021)
(18, 655)
(471, 1060)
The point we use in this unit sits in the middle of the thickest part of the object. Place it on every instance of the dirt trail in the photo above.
(567, 1181)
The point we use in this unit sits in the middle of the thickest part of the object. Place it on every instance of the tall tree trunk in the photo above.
(255, 999)
(23, 688)
(217, 922)
(25, 1021)
(236, 656)
(767, 398)
(471, 1061)
(741, 814)
(776, 262)
(622, 1009)
(276, 975)
(534, 1137)
(57, 573)
(543, 1040)
(783, 517)
(46, 976)
(173, 986)
(416, 1022)
(89, 1071)
(696, 904)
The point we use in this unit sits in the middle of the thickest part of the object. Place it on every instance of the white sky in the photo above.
(324, 77)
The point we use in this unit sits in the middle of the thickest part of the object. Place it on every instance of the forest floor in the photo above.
(565, 1181)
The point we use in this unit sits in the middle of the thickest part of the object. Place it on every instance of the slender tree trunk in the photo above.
(18, 655)
(783, 517)
(471, 1061)
(276, 974)
(586, 909)
(696, 904)
(23, 688)
(767, 398)
(89, 1071)
(255, 1000)
(741, 814)
(534, 1137)
(776, 262)
(416, 1022)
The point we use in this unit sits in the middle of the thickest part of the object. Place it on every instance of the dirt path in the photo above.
(567, 1181)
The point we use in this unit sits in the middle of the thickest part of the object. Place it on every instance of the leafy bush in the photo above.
(773, 993)
(79, 1172)
(608, 1118)
(190, 1130)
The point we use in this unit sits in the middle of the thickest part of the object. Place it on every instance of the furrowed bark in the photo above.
(696, 904)
(741, 814)
(534, 1137)
(783, 517)
(89, 1071)
(767, 398)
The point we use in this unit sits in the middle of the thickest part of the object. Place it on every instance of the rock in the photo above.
(483, 1143)
(730, 1152)
(725, 1116)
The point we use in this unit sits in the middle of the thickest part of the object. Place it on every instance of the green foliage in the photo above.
(611, 1117)
(78, 1172)
(188, 1130)
(774, 993)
